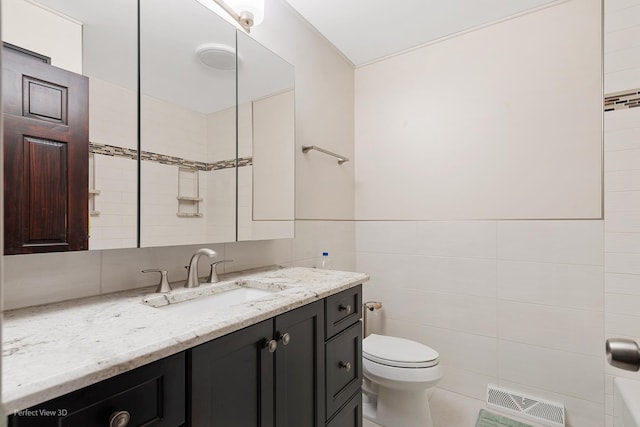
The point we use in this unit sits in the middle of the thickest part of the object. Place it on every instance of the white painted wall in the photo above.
(63, 45)
(622, 185)
(500, 123)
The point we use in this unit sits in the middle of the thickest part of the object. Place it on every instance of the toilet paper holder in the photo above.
(623, 353)
(369, 306)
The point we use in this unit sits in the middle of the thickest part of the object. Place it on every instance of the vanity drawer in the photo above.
(343, 367)
(350, 415)
(342, 310)
(152, 395)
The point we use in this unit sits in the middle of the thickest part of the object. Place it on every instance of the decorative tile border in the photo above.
(622, 100)
(129, 153)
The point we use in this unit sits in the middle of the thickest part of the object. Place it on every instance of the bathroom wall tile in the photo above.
(450, 409)
(622, 283)
(572, 374)
(257, 254)
(622, 243)
(579, 412)
(567, 242)
(45, 278)
(623, 304)
(623, 18)
(466, 383)
(621, 80)
(464, 276)
(622, 222)
(314, 237)
(561, 285)
(468, 239)
(622, 325)
(621, 160)
(622, 59)
(453, 347)
(622, 263)
(393, 271)
(559, 328)
(398, 237)
(622, 201)
(621, 139)
(471, 314)
(621, 40)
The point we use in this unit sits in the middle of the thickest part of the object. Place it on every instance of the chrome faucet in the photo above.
(192, 276)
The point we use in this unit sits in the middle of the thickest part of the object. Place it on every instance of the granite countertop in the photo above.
(54, 349)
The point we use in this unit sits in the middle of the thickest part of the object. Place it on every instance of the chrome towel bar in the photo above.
(341, 159)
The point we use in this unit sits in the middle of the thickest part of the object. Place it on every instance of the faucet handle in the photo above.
(163, 286)
(213, 273)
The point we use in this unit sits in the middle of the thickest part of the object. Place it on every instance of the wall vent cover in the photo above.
(533, 408)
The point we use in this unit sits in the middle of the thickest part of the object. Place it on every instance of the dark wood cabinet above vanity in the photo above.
(301, 368)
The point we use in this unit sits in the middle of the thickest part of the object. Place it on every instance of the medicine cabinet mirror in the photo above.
(205, 176)
(266, 143)
(62, 59)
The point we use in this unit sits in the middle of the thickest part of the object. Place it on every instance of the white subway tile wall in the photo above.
(622, 185)
(502, 301)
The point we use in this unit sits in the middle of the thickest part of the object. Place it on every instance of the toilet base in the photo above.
(397, 408)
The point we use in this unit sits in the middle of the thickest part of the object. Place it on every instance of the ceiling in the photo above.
(367, 30)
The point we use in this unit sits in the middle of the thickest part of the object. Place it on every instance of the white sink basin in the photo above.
(211, 297)
(627, 402)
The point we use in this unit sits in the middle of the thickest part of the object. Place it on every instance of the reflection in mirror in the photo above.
(187, 74)
(266, 143)
(72, 176)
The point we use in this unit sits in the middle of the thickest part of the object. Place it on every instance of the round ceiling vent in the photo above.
(217, 56)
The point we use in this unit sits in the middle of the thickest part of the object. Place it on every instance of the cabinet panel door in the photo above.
(350, 415)
(344, 367)
(150, 395)
(232, 380)
(46, 156)
(300, 367)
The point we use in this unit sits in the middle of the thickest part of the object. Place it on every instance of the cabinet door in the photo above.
(232, 380)
(152, 395)
(300, 367)
(46, 156)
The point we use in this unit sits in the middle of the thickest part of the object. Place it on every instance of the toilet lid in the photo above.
(399, 352)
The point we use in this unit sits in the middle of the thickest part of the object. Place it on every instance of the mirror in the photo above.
(187, 124)
(97, 40)
(266, 143)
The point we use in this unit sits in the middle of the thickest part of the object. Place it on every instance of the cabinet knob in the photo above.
(271, 345)
(345, 366)
(346, 308)
(119, 419)
(285, 338)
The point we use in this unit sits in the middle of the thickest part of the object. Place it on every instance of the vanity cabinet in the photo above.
(302, 368)
(152, 395)
(269, 374)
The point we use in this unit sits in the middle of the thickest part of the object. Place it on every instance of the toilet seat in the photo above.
(398, 352)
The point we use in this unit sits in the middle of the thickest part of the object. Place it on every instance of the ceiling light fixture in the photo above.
(247, 13)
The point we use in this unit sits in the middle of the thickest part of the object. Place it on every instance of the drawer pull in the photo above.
(271, 345)
(346, 308)
(345, 366)
(285, 338)
(119, 419)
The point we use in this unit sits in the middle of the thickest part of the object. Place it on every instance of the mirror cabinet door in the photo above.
(70, 129)
(187, 124)
(266, 143)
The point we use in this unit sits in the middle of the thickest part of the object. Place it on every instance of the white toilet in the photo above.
(397, 374)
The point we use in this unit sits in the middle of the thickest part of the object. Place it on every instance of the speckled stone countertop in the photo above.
(54, 349)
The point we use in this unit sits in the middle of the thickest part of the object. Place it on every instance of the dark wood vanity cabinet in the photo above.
(152, 395)
(302, 368)
(269, 374)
